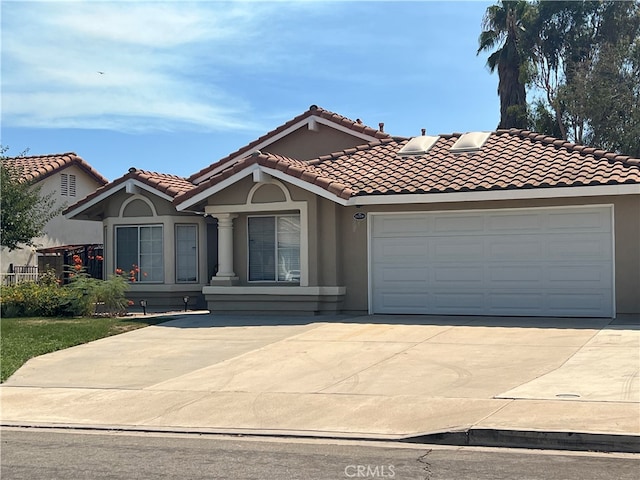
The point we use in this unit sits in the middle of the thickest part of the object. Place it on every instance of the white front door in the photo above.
(530, 262)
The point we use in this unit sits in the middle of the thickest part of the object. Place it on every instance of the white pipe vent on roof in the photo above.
(418, 145)
(470, 142)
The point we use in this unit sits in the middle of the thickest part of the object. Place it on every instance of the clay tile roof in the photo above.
(312, 111)
(171, 185)
(38, 167)
(510, 159)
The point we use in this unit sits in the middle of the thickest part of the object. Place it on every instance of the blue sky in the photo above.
(184, 84)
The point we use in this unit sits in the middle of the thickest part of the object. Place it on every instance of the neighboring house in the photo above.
(486, 223)
(69, 178)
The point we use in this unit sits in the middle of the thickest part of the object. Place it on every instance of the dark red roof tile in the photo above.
(171, 185)
(37, 167)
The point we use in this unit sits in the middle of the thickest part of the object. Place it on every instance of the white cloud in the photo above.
(211, 66)
(150, 56)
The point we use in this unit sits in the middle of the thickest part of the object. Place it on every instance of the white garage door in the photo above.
(533, 262)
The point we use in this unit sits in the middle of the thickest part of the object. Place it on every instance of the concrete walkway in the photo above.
(383, 377)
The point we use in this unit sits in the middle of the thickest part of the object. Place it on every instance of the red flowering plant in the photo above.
(94, 296)
(132, 274)
(77, 263)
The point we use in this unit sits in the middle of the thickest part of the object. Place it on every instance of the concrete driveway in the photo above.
(366, 377)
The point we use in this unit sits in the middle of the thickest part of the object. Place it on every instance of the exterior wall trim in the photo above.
(531, 193)
(205, 194)
(134, 197)
(255, 290)
(130, 185)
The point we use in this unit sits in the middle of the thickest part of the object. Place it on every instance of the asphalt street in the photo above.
(49, 454)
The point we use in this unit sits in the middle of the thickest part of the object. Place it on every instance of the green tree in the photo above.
(504, 30)
(586, 61)
(24, 211)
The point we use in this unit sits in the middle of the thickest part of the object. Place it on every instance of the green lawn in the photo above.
(25, 338)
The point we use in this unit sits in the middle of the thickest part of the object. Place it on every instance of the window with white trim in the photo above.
(274, 248)
(186, 253)
(139, 253)
(67, 185)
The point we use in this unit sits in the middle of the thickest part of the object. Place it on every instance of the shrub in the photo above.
(84, 294)
(27, 299)
(111, 293)
(80, 297)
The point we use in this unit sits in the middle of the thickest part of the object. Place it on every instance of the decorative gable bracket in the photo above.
(260, 176)
(131, 188)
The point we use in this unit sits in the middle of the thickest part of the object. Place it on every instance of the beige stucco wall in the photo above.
(338, 242)
(627, 245)
(305, 144)
(353, 243)
(59, 230)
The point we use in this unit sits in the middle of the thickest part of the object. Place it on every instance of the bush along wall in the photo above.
(82, 296)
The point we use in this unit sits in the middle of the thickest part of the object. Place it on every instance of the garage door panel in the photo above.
(523, 247)
(458, 223)
(587, 303)
(395, 275)
(524, 274)
(514, 222)
(455, 248)
(524, 301)
(579, 248)
(458, 274)
(404, 224)
(461, 302)
(393, 250)
(589, 220)
(588, 276)
(537, 261)
(398, 302)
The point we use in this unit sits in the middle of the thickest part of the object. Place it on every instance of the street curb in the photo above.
(474, 437)
(575, 441)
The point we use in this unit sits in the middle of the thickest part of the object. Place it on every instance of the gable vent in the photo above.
(418, 145)
(470, 142)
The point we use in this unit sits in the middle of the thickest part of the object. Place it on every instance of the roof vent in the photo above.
(470, 142)
(418, 145)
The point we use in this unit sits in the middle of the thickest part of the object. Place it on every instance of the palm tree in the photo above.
(503, 29)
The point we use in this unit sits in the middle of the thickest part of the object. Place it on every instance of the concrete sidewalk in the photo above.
(558, 383)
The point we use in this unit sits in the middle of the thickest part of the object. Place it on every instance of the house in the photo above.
(68, 178)
(325, 214)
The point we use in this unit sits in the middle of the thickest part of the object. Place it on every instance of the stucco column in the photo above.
(225, 249)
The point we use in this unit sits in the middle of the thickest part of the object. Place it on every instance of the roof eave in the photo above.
(249, 170)
(131, 185)
(505, 194)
